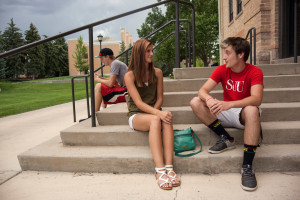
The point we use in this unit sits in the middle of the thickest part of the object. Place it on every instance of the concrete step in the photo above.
(270, 95)
(82, 134)
(53, 156)
(117, 114)
(268, 70)
(281, 81)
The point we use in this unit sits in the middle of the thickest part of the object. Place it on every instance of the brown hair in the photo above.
(137, 61)
(112, 57)
(239, 45)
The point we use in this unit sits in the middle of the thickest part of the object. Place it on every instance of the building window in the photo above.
(239, 6)
(230, 11)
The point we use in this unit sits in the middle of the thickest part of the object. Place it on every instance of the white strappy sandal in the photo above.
(162, 171)
(169, 168)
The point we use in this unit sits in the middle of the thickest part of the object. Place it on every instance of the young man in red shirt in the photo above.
(242, 94)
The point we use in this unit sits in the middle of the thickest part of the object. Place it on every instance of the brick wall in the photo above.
(107, 42)
(261, 14)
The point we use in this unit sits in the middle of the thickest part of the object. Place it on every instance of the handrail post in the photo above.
(177, 45)
(87, 96)
(295, 31)
(254, 45)
(189, 43)
(194, 41)
(186, 46)
(91, 57)
(73, 100)
(251, 47)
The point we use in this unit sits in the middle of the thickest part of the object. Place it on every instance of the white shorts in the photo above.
(130, 121)
(231, 118)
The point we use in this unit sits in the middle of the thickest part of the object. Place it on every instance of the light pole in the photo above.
(100, 37)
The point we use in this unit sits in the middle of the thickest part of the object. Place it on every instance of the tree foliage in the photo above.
(81, 56)
(47, 60)
(35, 58)
(13, 38)
(122, 48)
(206, 30)
(57, 63)
(3, 68)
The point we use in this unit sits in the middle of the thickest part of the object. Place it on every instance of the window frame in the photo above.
(239, 6)
(230, 10)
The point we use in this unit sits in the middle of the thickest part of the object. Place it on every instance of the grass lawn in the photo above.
(18, 97)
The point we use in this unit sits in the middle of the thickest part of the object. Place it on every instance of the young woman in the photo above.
(144, 83)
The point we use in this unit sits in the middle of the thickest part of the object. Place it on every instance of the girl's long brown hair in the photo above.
(138, 63)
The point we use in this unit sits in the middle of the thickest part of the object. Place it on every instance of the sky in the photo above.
(52, 17)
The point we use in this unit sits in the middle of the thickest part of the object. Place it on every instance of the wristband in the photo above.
(209, 98)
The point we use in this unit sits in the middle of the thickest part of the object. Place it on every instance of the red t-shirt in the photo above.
(237, 86)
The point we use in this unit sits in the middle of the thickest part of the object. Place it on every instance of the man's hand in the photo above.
(97, 77)
(216, 107)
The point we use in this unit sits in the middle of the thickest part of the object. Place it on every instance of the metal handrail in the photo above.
(295, 31)
(91, 50)
(171, 34)
(87, 95)
(253, 29)
(157, 30)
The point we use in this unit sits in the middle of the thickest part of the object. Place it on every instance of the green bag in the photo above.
(184, 141)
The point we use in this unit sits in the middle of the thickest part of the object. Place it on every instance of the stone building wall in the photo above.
(261, 14)
(107, 42)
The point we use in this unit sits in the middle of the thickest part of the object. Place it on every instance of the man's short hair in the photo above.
(239, 45)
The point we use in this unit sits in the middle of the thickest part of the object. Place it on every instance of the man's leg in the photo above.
(203, 113)
(250, 118)
(98, 96)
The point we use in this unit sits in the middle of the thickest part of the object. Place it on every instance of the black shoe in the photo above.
(248, 178)
(222, 145)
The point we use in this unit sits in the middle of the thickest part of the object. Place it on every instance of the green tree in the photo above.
(122, 48)
(51, 62)
(3, 67)
(162, 59)
(129, 52)
(61, 47)
(81, 56)
(13, 38)
(35, 56)
(206, 30)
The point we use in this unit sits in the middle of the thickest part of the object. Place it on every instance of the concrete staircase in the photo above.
(112, 147)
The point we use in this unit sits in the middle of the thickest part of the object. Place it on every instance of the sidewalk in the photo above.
(21, 132)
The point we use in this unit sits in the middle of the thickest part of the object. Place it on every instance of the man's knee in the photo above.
(98, 87)
(251, 112)
(196, 103)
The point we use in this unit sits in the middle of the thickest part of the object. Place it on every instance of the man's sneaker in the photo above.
(222, 145)
(248, 178)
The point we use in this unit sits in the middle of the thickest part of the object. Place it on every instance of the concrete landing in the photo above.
(90, 186)
(53, 156)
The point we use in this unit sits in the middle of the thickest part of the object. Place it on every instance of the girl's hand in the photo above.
(166, 116)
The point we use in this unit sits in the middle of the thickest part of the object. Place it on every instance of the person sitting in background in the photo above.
(110, 90)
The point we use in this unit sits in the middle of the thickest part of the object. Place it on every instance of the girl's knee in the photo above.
(155, 121)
